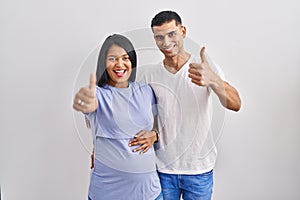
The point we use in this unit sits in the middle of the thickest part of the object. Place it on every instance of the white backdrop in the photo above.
(44, 43)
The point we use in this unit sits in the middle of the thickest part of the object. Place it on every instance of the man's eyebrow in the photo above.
(165, 33)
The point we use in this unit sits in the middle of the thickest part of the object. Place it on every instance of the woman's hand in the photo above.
(145, 139)
(85, 99)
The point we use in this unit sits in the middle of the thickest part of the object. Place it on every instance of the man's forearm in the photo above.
(228, 95)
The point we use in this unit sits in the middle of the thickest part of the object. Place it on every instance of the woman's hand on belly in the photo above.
(144, 140)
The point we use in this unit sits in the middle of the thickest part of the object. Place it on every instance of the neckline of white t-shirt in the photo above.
(181, 70)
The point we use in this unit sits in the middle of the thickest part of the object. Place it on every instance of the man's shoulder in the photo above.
(149, 68)
(194, 59)
(147, 72)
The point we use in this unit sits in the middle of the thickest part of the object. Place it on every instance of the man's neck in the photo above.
(174, 63)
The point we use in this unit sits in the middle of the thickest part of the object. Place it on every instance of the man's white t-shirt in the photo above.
(186, 144)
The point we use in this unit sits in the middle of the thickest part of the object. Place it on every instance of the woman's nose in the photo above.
(119, 62)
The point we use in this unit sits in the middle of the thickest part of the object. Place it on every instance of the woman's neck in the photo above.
(119, 85)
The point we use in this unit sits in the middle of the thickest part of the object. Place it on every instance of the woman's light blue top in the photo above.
(119, 173)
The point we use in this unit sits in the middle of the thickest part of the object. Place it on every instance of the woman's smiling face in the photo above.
(118, 66)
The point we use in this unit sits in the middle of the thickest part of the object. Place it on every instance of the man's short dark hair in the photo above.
(165, 16)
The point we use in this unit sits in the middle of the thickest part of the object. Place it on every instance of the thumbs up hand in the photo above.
(201, 73)
(85, 99)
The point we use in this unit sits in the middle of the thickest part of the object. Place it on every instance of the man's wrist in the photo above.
(157, 135)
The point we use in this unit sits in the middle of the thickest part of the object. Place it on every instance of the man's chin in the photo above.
(165, 52)
(170, 54)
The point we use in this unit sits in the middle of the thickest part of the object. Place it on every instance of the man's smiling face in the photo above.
(169, 38)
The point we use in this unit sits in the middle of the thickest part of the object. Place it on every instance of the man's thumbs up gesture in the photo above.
(201, 73)
(85, 99)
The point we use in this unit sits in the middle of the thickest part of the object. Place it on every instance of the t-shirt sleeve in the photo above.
(153, 102)
(140, 74)
(215, 67)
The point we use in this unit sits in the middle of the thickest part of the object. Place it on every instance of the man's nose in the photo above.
(166, 41)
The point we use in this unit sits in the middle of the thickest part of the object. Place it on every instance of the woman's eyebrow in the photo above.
(112, 55)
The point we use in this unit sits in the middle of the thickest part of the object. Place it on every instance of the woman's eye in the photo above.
(112, 59)
(126, 58)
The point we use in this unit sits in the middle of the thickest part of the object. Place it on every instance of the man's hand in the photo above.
(85, 100)
(145, 139)
(201, 73)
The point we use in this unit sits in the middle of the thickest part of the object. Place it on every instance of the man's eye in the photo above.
(159, 37)
(172, 34)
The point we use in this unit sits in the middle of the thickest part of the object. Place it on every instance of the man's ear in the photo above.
(183, 31)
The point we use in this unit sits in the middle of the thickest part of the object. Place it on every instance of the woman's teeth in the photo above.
(120, 72)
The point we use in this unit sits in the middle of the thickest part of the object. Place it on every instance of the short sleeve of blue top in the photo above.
(121, 114)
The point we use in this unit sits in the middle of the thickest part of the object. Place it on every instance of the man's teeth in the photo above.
(169, 48)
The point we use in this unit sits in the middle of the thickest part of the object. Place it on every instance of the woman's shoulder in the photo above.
(142, 86)
(139, 84)
(103, 91)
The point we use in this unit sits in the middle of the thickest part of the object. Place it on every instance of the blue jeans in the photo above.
(160, 197)
(191, 187)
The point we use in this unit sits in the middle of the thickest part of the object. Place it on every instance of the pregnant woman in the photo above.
(118, 109)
